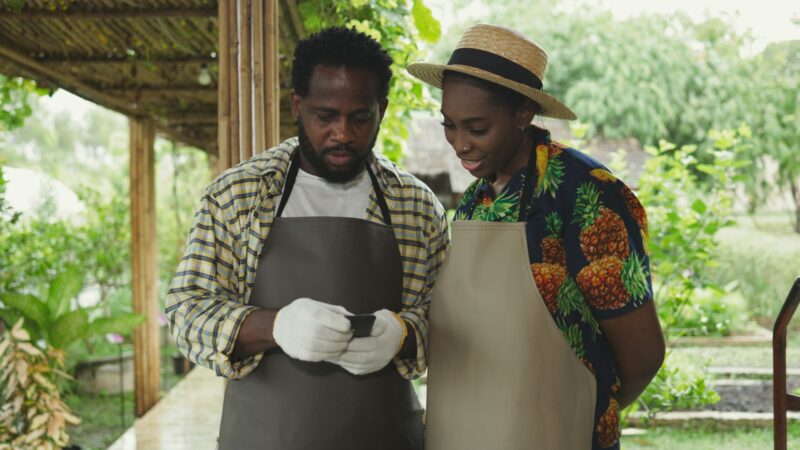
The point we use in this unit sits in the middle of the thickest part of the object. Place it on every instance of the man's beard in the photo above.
(317, 162)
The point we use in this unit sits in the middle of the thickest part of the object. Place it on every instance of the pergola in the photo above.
(201, 72)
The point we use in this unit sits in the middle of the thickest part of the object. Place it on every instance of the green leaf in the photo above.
(33, 309)
(429, 28)
(68, 328)
(699, 206)
(119, 323)
(66, 286)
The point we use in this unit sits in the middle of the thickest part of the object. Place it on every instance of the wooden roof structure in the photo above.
(141, 58)
(204, 72)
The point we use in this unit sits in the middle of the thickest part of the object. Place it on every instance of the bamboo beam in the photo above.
(123, 13)
(246, 84)
(52, 76)
(233, 46)
(224, 88)
(119, 58)
(62, 79)
(170, 132)
(190, 119)
(144, 276)
(181, 89)
(271, 75)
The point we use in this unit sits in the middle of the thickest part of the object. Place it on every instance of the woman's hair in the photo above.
(499, 95)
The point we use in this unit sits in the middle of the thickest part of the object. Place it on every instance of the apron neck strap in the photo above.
(387, 217)
(291, 177)
(527, 186)
(288, 184)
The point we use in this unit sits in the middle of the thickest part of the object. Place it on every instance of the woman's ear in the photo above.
(525, 113)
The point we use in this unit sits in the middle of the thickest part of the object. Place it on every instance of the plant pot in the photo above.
(102, 375)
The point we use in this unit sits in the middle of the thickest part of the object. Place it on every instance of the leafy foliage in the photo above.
(14, 96)
(674, 388)
(53, 318)
(32, 413)
(685, 215)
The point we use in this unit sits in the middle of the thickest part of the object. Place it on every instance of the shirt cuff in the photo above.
(226, 339)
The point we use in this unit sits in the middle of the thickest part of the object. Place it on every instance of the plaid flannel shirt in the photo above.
(208, 298)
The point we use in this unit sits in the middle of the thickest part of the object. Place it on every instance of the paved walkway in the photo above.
(187, 418)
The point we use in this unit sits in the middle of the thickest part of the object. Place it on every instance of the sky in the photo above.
(769, 20)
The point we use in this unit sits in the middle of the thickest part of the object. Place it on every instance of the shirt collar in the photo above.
(273, 164)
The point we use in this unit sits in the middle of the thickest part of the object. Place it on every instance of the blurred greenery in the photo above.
(709, 438)
(760, 255)
(684, 214)
(666, 77)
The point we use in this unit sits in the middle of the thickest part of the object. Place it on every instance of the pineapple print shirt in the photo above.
(587, 236)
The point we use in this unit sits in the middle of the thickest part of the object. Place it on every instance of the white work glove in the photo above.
(372, 353)
(310, 330)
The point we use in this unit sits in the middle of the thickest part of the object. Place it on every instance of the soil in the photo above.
(750, 396)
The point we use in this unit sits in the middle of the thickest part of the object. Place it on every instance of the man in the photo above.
(289, 244)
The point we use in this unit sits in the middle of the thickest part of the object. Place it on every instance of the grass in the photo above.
(102, 421)
(761, 254)
(745, 356)
(708, 439)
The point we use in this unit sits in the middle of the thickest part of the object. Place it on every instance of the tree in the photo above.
(776, 120)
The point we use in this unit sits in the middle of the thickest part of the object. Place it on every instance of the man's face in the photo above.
(338, 122)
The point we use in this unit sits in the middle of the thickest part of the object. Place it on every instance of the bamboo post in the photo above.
(233, 63)
(272, 99)
(257, 13)
(249, 91)
(246, 84)
(144, 276)
(224, 89)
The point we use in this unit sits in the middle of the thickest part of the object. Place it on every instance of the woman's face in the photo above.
(484, 133)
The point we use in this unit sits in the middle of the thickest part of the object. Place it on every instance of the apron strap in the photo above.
(387, 217)
(527, 188)
(291, 176)
(288, 184)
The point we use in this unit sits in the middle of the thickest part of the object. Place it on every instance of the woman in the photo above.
(542, 361)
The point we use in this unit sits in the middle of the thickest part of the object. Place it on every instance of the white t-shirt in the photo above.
(313, 196)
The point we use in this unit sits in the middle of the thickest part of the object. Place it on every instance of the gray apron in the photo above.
(501, 374)
(287, 404)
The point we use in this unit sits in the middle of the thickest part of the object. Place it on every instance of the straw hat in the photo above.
(502, 56)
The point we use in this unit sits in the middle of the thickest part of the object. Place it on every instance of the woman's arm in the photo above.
(637, 343)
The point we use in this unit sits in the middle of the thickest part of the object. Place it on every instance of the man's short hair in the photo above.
(340, 47)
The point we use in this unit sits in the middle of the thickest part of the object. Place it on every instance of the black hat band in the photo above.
(496, 64)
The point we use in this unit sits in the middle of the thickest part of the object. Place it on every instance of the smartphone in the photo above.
(361, 324)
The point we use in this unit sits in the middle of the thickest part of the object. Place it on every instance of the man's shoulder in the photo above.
(245, 177)
(409, 185)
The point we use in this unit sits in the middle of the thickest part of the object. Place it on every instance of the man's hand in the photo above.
(370, 354)
(310, 330)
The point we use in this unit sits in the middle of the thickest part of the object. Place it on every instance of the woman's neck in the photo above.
(517, 161)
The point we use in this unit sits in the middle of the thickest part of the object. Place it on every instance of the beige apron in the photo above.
(501, 374)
